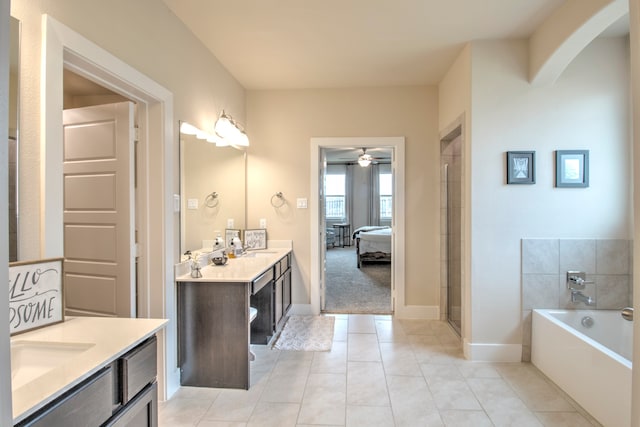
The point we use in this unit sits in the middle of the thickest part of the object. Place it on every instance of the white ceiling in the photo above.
(292, 44)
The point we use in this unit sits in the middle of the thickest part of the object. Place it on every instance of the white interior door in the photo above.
(99, 238)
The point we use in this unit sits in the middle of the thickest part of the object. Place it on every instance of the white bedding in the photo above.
(375, 241)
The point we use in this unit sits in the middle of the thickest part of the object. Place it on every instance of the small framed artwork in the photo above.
(229, 234)
(35, 294)
(572, 168)
(255, 239)
(521, 167)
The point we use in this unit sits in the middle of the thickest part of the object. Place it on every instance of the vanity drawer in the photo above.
(138, 368)
(281, 266)
(262, 281)
(89, 404)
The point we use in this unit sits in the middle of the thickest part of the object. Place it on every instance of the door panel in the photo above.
(99, 210)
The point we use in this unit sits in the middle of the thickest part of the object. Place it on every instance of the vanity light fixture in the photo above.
(230, 131)
(188, 128)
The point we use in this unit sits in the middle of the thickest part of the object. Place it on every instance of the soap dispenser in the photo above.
(237, 245)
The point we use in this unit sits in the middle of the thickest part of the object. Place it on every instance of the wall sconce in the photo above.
(230, 131)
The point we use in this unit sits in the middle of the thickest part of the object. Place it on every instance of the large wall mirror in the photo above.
(213, 191)
(14, 89)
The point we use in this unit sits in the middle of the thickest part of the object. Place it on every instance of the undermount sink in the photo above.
(258, 254)
(31, 359)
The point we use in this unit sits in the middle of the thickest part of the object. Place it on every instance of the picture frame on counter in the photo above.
(35, 294)
(572, 168)
(521, 167)
(255, 239)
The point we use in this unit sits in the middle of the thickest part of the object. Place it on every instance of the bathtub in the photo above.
(591, 364)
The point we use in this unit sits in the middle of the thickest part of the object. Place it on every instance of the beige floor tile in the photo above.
(362, 324)
(452, 394)
(563, 419)
(285, 388)
(330, 388)
(183, 412)
(433, 371)
(534, 389)
(234, 405)
(331, 362)
(399, 359)
(418, 327)
(363, 348)
(340, 329)
(477, 370)
(322, 412)
(269, 414)
(390, 331)
(369, 416)
(455, 418)
(411, 402)
(206, 423)
(501, 403)
(366, 384)
(204, 393)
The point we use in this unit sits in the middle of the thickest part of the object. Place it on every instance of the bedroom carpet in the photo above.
(353, 290)
(306, 333)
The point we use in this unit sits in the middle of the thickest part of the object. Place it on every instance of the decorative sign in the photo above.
(255, 239)
(35, 294)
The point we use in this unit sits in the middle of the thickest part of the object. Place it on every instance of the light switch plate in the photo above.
(230, 223)
(263, 223)
(301, 203)
(192, 203)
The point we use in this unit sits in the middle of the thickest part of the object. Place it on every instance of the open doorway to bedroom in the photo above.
(358, 216)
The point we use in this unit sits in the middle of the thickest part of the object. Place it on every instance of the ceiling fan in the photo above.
(366, 159)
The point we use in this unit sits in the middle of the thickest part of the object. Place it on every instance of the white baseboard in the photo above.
(492, 352)
(426, 312)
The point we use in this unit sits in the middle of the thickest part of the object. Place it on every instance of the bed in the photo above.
(373, 244)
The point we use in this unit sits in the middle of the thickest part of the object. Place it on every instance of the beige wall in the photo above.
(586, 108)
(142, 33)
(281, 124)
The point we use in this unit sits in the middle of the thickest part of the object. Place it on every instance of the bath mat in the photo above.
(306, 333)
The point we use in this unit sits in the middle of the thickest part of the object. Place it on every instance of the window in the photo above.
(335, 196)
(386, 195)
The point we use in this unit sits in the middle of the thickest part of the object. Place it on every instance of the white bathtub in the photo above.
(592, 365)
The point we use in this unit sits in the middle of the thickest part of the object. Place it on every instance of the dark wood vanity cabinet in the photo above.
(272, 303)
(214, 329)
(282, 292)
(122, 393)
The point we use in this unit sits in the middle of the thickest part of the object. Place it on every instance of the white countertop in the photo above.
(111, 338)
(241, 269)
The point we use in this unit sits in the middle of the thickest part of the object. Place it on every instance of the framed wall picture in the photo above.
(35, 294)
(572, 168)
(255, 239)
(521, 167)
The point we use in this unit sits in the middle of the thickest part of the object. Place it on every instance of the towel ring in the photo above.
(278, 196)
(212, 200)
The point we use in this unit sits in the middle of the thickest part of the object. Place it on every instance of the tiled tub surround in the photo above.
(545, 263)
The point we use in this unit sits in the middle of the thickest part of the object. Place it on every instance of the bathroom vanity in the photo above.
(86, 371)
(214, 324)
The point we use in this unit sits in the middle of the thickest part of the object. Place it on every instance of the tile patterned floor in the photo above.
(381, 371)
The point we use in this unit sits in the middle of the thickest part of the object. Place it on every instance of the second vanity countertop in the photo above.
(240, 269)
(106, 340)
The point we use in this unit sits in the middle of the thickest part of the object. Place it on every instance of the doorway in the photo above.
(358, 209)
(451, 162)
(65, 48)
(318, 236)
